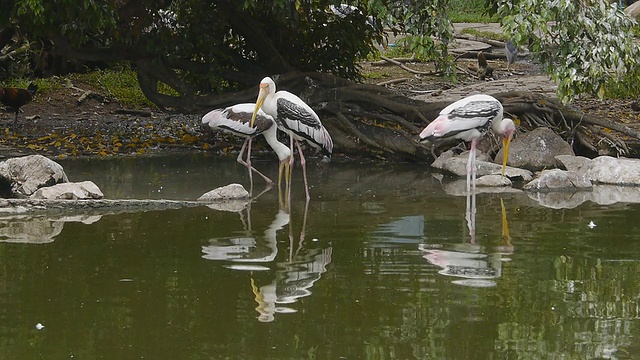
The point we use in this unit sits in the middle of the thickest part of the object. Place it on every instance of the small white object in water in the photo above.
(591, 225)
(39, 326)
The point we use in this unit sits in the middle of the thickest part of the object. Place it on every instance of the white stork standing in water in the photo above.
(236, 119)
(296, 118)
(469, 119)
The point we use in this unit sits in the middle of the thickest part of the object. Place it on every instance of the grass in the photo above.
(119, 82)
(470, 11)
(484, 34)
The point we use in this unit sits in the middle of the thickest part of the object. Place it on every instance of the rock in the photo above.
(458, 166)
(24, 175)
(69, 191)
(228, 192)
(633, 10)
(579, 164)
(558, 180)
(536, 150)
(618, 171)
(493, 180)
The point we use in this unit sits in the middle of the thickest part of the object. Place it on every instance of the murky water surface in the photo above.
(381, 265)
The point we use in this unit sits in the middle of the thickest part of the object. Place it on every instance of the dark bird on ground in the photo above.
(485, 71)
(15, 98)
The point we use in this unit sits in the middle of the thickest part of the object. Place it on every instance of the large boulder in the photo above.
(69, 191)
(536, 150)
(604, 169)
(617, 171)
(22, 176)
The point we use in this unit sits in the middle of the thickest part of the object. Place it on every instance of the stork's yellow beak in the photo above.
(506, 141)
(261, 96)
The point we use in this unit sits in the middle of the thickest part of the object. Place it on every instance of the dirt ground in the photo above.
(56, 124)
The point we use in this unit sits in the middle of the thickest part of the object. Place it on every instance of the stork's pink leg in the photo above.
(474, 168)
(469, 166)
(247, 146)
(303, 163)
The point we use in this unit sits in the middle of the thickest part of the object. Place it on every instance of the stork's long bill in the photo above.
(261, 96)
(506, 141)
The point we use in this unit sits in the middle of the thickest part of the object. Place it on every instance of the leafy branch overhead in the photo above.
(587, 47)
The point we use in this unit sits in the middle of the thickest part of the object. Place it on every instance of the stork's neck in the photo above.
(281, 149)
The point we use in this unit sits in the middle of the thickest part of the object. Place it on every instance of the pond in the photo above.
(380, 265)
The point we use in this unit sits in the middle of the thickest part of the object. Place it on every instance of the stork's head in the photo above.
(506, 129)
(267, 86)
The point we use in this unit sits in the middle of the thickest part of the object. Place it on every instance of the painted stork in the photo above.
(236, 119)
(469, 119)
(296, 118)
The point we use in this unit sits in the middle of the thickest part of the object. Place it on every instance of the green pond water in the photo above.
(380, 265)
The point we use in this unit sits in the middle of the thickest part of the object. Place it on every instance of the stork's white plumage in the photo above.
(294, 117)
(236, 119)
(469, 119)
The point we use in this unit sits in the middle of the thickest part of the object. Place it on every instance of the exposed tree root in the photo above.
(369, 120)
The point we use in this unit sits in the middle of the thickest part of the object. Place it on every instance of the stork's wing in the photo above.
(459, 118)
(236, 119)
(297, 117)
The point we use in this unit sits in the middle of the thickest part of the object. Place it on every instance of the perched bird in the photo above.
(296, 118)
(511, 49)
(15, 98)
(469, 119)
(235, 119)
(485, 71)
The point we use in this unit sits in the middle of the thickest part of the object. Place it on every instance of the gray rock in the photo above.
(579, 164)
(458, 166)
(493, 180)
(617, 171)
(69, 191)
(27, 174)
(558, 180)
(536, 150)
(228, 192)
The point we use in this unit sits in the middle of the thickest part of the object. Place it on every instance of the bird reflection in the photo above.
(294, 276)
(478, 265)
(248, 248)
(275, 280)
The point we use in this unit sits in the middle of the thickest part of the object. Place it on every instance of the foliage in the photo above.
(119, 82)
(595, 52)
(420, 20)
(470, 11)
(198, 47)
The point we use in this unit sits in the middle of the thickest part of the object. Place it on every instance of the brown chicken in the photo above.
(15, 98)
